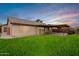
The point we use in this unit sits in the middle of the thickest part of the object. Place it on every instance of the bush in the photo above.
(71, 32)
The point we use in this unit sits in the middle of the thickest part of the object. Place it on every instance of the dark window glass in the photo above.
(5, 29)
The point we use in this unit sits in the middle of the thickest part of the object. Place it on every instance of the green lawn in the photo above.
(42, 45)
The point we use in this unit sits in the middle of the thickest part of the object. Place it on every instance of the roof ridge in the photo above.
(18, 18)
(22, 21)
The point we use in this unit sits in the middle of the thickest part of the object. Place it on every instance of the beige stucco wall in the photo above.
(2, 31)
(7, 32)
(21, 30)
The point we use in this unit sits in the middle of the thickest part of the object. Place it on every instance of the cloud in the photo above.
(66, 16)
(61, 18)
(70, 21)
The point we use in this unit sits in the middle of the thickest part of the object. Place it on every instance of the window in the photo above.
(5, 29)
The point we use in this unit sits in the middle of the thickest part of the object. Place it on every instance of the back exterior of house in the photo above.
(18, 27)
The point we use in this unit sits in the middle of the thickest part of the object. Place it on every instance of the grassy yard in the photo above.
(42, 45)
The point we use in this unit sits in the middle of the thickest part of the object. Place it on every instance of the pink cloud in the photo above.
(70, 22)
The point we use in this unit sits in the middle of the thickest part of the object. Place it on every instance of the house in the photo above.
(19, 27)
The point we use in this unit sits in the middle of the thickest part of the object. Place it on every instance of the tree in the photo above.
(38, 20)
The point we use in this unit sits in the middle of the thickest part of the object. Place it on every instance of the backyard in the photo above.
(41, 45)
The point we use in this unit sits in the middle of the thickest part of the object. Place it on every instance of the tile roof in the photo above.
(22, 21)
(13, 20)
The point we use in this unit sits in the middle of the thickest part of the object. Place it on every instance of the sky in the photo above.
(52, 13)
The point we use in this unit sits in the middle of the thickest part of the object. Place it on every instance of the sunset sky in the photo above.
(48, 13)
